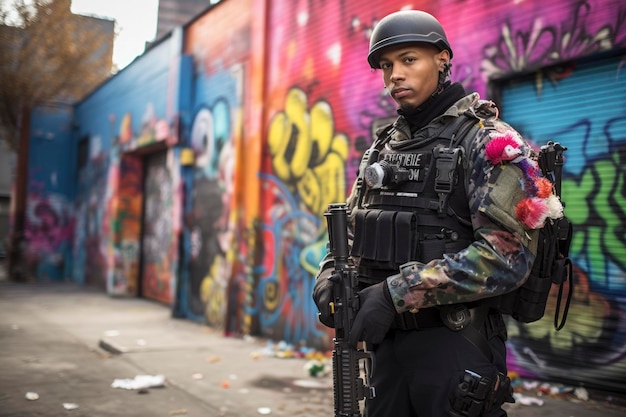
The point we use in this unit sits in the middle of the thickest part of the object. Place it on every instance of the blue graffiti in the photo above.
(291, 230)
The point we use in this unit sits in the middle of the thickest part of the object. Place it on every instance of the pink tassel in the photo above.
(532, 212)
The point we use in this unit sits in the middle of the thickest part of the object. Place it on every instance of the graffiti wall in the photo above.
(323, 102)
(128, 117)
(220, 44)
(49, 224)
(595, 202)
(158, 270)
(127, 225)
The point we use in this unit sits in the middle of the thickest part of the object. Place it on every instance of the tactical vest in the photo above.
(412, 201)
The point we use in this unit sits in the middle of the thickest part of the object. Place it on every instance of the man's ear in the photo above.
(443, 58)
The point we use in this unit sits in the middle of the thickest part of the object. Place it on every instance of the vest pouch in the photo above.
(431, 248)
(358, 242)
(365, 233)
(434, 246)
(371, 242)
(385, 237)
(406, 242)
(455, 246)
(531, 299)
(384, 240)
(528, 303)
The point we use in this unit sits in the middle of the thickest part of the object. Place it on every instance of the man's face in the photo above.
(411, 72)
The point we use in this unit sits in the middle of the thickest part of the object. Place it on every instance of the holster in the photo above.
(476, 395)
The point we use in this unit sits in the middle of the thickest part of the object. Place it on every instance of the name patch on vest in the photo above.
(414, 163)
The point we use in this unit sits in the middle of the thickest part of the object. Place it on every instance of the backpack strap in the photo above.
(461, 131)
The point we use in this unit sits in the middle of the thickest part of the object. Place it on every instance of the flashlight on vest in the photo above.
(382, 174)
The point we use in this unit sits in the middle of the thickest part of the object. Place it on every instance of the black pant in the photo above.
(417, 371)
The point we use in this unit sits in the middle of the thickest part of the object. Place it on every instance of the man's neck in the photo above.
(433, 107)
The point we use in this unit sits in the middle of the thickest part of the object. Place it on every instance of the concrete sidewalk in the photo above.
(227, 376)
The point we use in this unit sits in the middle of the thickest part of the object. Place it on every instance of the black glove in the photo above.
(375, 316)
(323, 296)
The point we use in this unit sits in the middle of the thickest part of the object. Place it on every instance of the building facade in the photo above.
(31, 77)
(175, 13)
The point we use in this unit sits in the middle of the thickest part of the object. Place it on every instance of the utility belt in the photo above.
(492, 322)
(487, 321)
(423, 319)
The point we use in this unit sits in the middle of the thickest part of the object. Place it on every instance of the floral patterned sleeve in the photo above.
(509, 202)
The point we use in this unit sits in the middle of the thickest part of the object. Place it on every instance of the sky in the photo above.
(136, 22)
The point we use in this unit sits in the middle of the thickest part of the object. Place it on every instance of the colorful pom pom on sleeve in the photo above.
(502, 148)
(541, 203)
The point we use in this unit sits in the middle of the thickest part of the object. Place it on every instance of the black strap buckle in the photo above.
(446, 161)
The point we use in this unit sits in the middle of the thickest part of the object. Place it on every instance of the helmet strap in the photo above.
(444, 78)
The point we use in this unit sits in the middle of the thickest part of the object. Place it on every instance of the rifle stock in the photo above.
(348, 386)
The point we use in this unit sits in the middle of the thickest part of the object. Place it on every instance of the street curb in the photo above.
(111, 348)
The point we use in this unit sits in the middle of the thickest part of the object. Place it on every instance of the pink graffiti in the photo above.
(47, 227)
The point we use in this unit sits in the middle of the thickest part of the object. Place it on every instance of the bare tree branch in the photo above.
(47, 53)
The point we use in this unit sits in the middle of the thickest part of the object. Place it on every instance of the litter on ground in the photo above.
(140, 382)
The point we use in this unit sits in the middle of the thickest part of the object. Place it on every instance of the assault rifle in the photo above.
(349, 387)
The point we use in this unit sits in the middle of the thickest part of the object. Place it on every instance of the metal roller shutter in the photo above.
(583, 106)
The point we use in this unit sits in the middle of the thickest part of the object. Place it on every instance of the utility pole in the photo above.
(16, 268)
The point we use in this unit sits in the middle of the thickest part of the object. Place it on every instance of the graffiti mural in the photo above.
(209, 221)
(127, 227)
(307, 157)
(49, 220)
(89, 242)
(329, 77)
(157, 261)
(593, 190)
(118, 124)
(49, 229)
(210, 235)
(283, 305)
(214, 238)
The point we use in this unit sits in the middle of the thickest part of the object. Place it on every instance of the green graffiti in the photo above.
(595, 206)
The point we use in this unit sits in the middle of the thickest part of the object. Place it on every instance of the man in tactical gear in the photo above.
(444, 217)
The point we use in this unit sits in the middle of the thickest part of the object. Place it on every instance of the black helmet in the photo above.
(406, 26)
